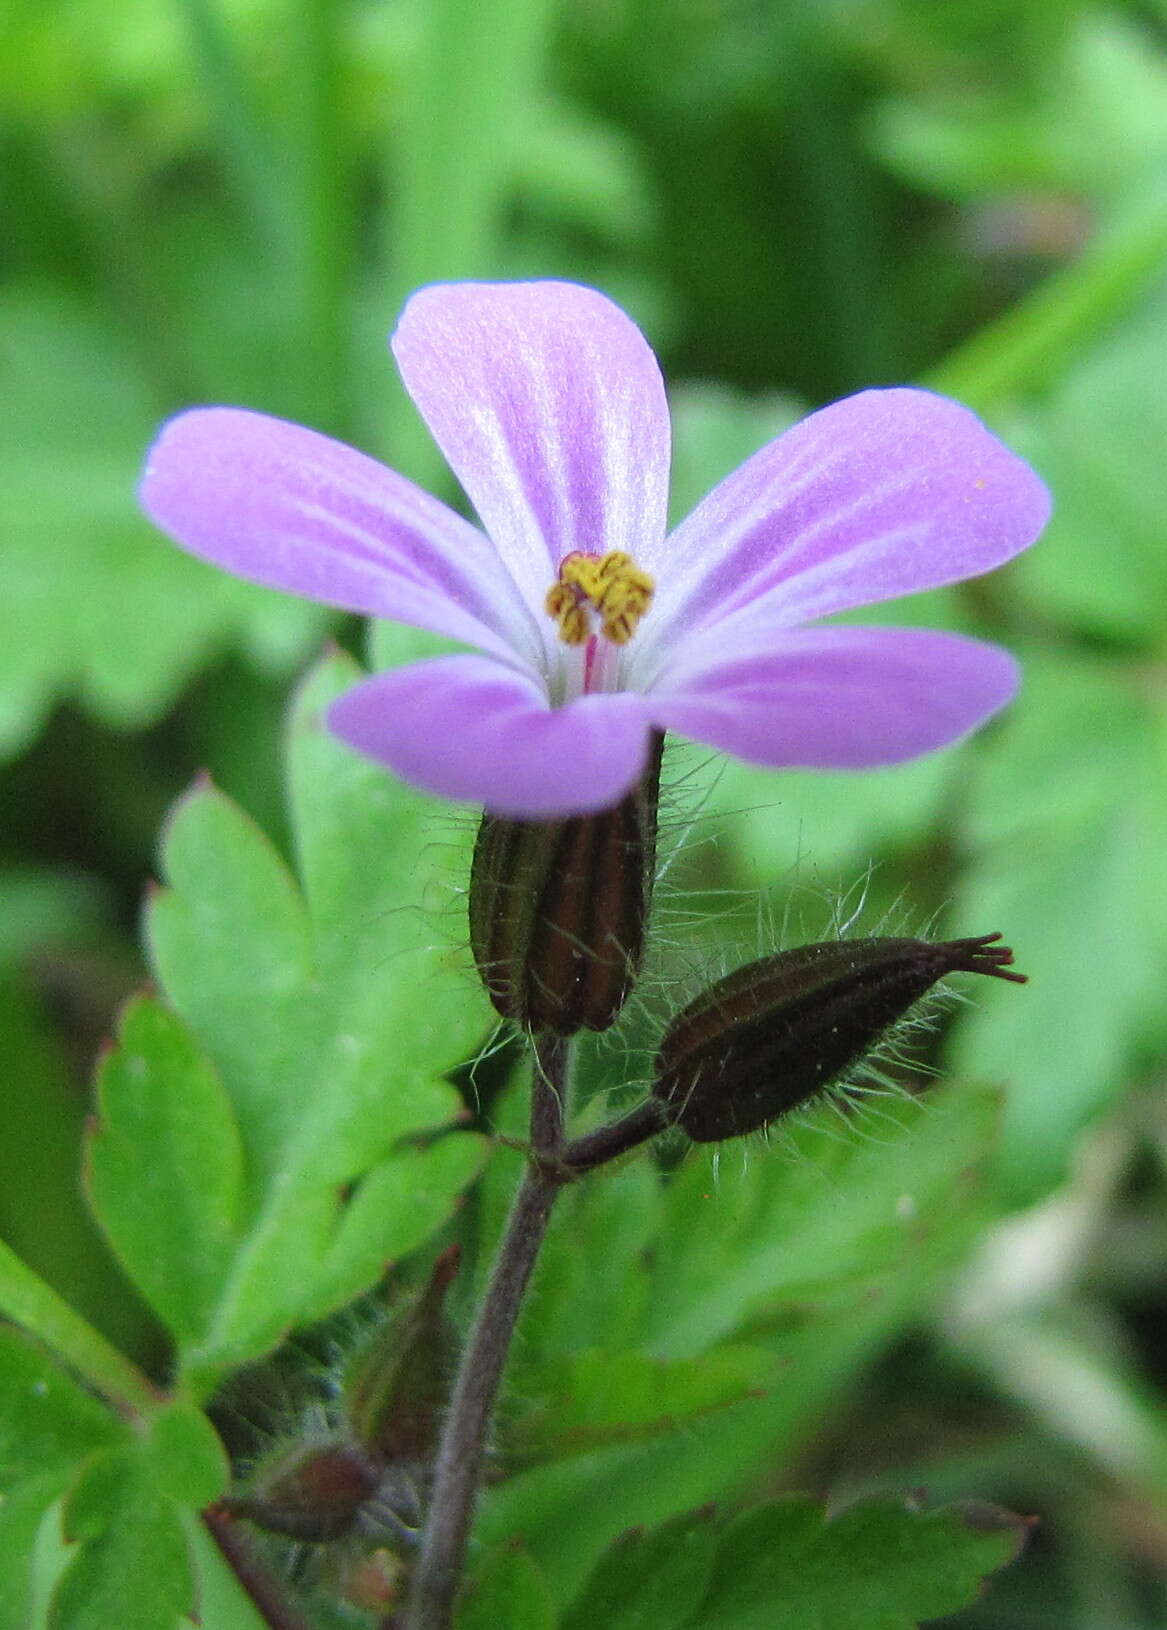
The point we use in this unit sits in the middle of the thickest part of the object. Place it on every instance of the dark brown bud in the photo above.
(395, 1391)
(558, 910)
(314, 1494)
(770, 1036)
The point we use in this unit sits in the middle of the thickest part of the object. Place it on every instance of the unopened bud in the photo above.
(772, 1035)
(314, 1494)
(558, 911)
(395, 1392)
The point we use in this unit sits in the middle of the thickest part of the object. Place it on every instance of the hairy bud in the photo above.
(558, 911)
(395, 1392)
(770, 1036)
(314, 1493)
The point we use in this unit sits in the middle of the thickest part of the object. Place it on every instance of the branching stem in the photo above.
(459, 1462)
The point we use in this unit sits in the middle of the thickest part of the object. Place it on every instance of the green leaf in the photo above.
(22, 1511)
(818, 832)
(820, 1249)
(222, 1602)
(822, 1216)
(396, 1207)
(330, 1015)
(875, 1566)
(611, 1221)
(1100, 564)
(29, 1300)
(187, 1456)
(650, 1580)
(599, 1397)
(132, 1563)
(165, 1168)
(47, 1422)
(1088, 881)
(507, 1590)
(99, 607)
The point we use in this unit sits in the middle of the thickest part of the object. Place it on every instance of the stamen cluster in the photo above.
(611, 585)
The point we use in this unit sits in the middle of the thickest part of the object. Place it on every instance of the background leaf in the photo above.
(876, 1566)
(508, 1589)
(109, 612)
(650, 1580)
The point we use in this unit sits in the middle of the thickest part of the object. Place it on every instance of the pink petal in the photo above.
(837, 698)
(465, 728)
(549, 406)
(283, 506)
(886, 493)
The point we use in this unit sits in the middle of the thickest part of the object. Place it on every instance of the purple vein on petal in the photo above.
(286, 507)
(550, 408)
(886, 493)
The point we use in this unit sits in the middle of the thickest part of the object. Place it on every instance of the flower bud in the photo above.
(768, 1037)
(395, 1392)
(314, 1494)
(558, 910)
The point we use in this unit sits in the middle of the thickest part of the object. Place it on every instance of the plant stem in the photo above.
(262, 1587)
(616, 1138)
(459, 1461)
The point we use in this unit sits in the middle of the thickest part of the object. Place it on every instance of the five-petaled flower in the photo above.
(592, 626)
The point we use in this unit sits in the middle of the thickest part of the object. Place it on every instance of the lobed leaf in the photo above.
(48, 1423)
(650, 1580)
(313, 1024)
(131, 1566)
(876, 1566)
(165, 1168)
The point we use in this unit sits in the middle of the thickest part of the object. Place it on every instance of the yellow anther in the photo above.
(611, 585)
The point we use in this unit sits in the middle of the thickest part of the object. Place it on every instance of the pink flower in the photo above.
(591, 626)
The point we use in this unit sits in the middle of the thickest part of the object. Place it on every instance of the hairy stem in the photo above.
(262, 1587)
(459, 1462)
(617, 1138)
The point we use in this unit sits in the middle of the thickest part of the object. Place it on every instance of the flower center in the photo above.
(611, 586)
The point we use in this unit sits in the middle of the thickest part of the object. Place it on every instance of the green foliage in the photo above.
(175, 1236)
(1096, 119)
(120, 621)
(1081, 909)
(875, 1565)
(252, 1171)
(227, 202)
(258, 1157)
(47, 1420)
(132, 1563)
(650, 1580)
(756, 1283)
(508, 1589)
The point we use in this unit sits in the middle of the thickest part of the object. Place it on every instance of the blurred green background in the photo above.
(228, 200)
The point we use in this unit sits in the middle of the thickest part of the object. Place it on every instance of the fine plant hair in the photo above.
(688, 947)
